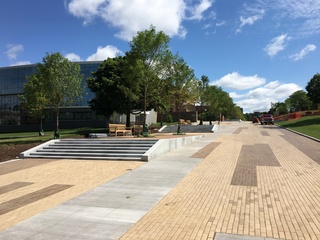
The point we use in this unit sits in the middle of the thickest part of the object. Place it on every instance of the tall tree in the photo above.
(313, 90)
(183, 85)
(219, 102)
(34, 99)
(279, 108)
(203, 84)
(61, 83)
(147, 59)
(211, 100)
(114, 92)
(299, 101)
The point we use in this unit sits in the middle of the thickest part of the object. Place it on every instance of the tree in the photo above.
(183, 85)
(218, 102)
(313, 89)
(211, 100)
(148, 62)
(114, 92)
(237, 113)
(34, 99)
(203, 84)
(60, 84)
(279, 108)
(299, 101)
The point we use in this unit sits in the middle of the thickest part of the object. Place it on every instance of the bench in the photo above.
(114, 129)
(184, 122)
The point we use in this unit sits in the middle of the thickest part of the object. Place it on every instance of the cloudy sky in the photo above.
(259, 51)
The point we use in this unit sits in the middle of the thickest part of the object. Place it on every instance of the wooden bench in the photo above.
(114, 129)
(184, 122)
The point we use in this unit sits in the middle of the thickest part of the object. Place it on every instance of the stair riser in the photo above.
(86, 154)
(88, 151)
(114, 150)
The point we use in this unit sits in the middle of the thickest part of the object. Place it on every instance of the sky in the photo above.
(259, 51)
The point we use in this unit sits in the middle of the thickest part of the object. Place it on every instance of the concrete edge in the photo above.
(163, 146)
(163, 127)
(214, 128)
(27, 153)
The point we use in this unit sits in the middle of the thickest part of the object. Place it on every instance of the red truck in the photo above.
(266, 119)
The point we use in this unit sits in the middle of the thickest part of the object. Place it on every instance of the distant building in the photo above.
(13, 118)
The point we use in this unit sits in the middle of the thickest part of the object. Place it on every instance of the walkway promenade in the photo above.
(244, 181)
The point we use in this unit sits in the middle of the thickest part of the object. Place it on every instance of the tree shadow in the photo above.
(303, 123)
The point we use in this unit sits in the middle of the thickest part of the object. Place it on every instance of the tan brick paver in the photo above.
(83, 175)
(284, 204)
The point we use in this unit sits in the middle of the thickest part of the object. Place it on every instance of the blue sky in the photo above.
(259, 51)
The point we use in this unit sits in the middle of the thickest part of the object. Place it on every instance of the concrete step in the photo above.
(70, 150)
(116, 149)
(96, 147)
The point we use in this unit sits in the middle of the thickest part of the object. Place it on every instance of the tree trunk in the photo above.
(56, 133)
(145, 129)
(57, 120)
(128, 118)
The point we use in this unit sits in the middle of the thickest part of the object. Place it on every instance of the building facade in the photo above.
(13, 118)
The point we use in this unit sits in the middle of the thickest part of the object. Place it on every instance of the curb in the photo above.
(299, 133)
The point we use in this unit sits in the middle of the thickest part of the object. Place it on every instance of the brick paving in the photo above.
(283, 203)
(260, 181)
(32, 186)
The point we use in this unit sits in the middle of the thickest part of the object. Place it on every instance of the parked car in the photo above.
(266, 119)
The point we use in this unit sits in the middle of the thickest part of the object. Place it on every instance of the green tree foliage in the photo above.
(57, 84)
(237, 113)
(114, 92)
(184, 85)
(299, 101)
(218, 102)
(203, 84)
(34, 100)
(279, 108)
(148, 59)
(313, 89)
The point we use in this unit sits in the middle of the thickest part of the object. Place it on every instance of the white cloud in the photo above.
(131, 16)
(103, 53)
(259, 99)
(21, 63)
(73, 57)
(309, 48)
(221, 23)
(197, 11)
(303, 13)
(236, 81)
(13, 50)
(276, 45)
(250, 20)
(86, 9)
(307, 11)
(236, 95)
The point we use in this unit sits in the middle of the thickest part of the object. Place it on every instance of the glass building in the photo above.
(12, 118)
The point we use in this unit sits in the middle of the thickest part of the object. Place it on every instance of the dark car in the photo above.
(266, 119)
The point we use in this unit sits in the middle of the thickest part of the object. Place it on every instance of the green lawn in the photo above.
(306, 125)
(30, 137)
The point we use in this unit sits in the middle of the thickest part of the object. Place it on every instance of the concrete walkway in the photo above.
(244, 180)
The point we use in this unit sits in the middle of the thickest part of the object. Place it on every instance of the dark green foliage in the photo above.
(313, 89)
(114, 91)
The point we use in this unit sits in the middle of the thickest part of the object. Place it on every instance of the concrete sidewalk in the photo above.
(243, 180)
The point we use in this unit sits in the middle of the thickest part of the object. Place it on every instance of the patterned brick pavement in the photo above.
(255, 182)
(31, 186)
